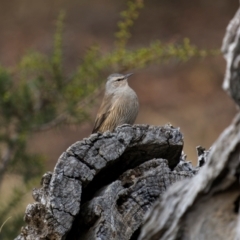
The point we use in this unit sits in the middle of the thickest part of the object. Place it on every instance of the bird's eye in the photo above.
(119, 79)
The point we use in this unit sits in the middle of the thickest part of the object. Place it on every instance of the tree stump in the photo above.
(105, 183)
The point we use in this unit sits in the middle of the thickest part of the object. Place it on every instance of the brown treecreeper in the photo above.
(119, 106)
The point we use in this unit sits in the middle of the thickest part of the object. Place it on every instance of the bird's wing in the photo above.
(103, 112)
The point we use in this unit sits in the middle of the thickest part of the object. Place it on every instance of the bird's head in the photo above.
(116, 81)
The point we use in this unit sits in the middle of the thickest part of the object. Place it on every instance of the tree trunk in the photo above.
(93, 175)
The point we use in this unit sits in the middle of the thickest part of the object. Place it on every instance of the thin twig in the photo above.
(4, 224)
(65, 115)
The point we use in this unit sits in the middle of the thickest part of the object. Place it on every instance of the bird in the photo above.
(119, 106)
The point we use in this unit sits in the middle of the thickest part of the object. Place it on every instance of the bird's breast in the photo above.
(126, 106)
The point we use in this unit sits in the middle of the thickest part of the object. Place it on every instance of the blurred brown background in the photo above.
(188, 95)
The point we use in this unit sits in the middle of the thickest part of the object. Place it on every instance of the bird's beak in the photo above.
(128, 75)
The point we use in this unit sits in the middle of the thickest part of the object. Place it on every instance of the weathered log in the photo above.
(89, 165)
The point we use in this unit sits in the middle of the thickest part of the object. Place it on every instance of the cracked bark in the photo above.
(106, 182)
(117, 211)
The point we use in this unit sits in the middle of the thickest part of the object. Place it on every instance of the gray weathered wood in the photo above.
(202, 155)
(203, 207)
(207, 206)
(117, 211)
(86, 167)
(231, 50)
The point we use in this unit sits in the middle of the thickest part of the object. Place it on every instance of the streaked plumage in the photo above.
(119, 106)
